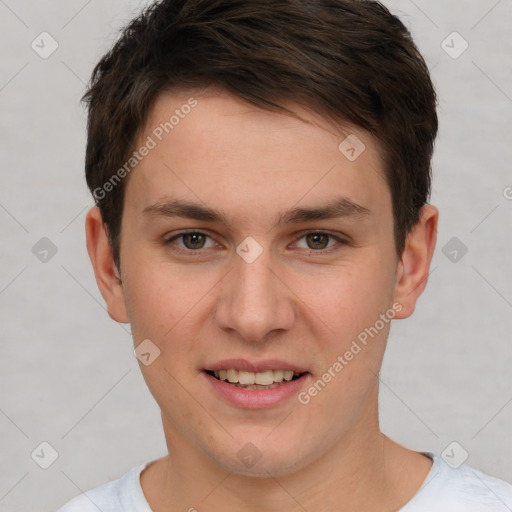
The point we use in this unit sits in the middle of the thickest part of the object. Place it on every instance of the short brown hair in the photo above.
(350, 60)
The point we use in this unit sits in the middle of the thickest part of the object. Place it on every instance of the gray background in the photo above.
(67, 371)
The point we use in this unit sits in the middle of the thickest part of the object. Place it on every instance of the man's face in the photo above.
(265, 285)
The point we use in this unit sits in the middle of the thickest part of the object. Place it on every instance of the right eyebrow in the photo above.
(186, 209)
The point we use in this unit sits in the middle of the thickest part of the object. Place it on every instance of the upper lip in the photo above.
(255, 366)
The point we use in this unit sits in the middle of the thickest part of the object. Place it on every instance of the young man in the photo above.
(261, 171)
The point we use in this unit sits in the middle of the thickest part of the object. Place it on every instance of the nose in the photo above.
(254, 300)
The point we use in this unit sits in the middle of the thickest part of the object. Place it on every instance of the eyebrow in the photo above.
(339, 207)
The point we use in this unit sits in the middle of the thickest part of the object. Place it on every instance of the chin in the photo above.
(270, 460)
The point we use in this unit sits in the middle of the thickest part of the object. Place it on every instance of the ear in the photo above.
(414, 265)
(105, 270)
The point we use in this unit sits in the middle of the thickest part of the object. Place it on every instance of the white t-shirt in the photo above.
(444, 490)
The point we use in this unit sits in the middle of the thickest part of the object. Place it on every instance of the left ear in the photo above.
(414, 265)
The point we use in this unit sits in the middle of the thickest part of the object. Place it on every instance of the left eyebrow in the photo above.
(338, 208)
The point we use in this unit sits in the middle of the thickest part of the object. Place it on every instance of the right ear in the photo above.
(105, 270)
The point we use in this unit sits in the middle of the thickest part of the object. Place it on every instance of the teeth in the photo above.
(246, 377)
(250, 378)
(264, 378)
(232, 376)
(288, 375)
(278, 375)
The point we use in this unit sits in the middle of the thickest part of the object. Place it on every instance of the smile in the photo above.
(255, 380)
(256, 390)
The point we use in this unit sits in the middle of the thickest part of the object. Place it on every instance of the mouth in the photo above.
(268, 379)
(250, 384)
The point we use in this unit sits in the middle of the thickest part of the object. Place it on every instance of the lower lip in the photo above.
(257, 398)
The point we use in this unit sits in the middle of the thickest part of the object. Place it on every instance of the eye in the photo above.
(191, 241)
(196, 241)
(319, 241)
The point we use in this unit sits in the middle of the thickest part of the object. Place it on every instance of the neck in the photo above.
(364, 471)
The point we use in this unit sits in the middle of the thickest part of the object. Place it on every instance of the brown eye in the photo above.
(317, 240)
(321, 242)
(193, 240)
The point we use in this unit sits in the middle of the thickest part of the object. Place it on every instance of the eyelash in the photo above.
(341, 242)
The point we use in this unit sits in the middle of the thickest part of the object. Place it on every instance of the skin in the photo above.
(297, 302)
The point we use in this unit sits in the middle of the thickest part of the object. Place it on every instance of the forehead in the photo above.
(215, 145)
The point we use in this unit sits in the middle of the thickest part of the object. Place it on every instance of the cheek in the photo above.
(170, 308)
(346, 299)
(352, 351)
(159, 297)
